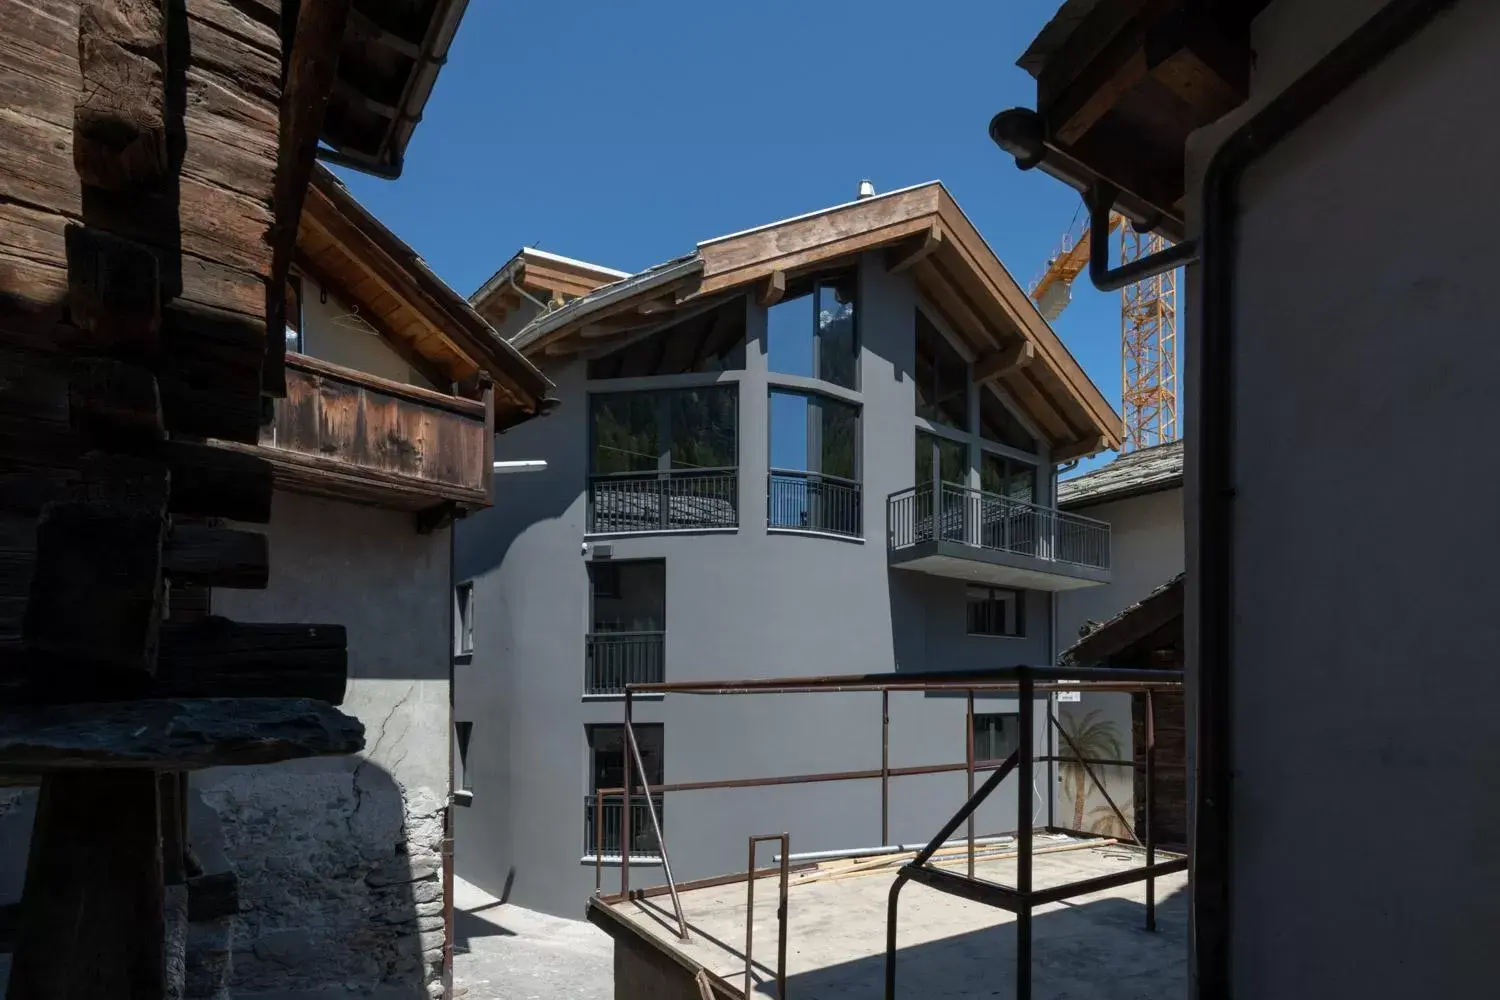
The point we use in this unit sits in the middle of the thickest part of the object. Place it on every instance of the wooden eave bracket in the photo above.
(903, 258)
(1006, 360)
(772, 289)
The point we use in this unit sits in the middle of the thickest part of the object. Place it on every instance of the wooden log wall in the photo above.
(143, 156)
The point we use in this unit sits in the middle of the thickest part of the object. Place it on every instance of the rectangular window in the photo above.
(996, 611)
(664, 460)
(607, 750)
(627, 632)
(294, 313)
(462, 732)
(708, 342)
(942, 378)
(997, 735)
(812, 332)
(463, 619)
(998, 424)
(813, 481)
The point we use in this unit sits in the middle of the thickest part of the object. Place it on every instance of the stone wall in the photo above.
(339, 860)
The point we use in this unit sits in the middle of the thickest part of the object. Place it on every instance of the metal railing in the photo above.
(607, 812)
(991, 521)
(811, 501)
(614, 659)
(664, 501)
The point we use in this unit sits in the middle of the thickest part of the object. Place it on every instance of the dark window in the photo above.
(294, 313)
(950, 457)
(997, 735)
(813, 332)
(1008, 477)
(709, 342)
(998, 424)
(463, 599)
(463, 731)
(942, 378)
(607, 753)
(814, 474)
(996, 611)
(628, 596)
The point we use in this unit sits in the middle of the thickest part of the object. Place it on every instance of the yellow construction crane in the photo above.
(1148, 328)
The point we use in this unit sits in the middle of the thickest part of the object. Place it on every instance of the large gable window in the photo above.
(942, 378)
(813, 333)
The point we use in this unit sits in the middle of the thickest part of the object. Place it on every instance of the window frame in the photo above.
(816, 476)
(661, 397)
(295, 289)
(463, 618)
(814, 284)
(990, 591)
(1011, 721)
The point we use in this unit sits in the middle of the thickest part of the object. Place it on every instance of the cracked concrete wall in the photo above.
(339, 863)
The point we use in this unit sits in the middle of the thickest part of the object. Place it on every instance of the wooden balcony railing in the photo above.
(352, 436)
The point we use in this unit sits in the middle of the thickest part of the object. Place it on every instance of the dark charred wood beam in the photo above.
(119, 119)
(111, 402)
(311, 70)
(219, 482)
(218, 658)
(211, 556)
(114, 289)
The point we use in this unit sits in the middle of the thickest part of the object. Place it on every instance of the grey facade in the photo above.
(748, 601)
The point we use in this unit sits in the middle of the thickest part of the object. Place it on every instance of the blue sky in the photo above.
(624, 133)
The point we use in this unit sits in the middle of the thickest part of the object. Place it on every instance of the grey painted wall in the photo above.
(739, 604)
(1364, 634)
(338, 858)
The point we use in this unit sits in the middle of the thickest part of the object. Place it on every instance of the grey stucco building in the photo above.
(822, 446)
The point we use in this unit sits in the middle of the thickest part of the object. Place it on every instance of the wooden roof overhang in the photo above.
(1137, 634)
(340, 244)
(544, 277)
(921, 230)
(1120, 84)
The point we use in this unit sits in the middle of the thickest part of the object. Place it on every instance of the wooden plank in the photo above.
(85, 935)
(317, 475)
(904, 257)
(774, 288)
(311, 70)
(1004, 361)
(119, 120)
(811, 256)
(212, 556)
(110, 402)
(219, 658)
(114, 289)
(213, 481)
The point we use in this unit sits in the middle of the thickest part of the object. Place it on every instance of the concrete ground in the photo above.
(1092, 946)
(502, 952)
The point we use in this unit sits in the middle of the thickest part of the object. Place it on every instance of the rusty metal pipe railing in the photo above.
(661, 842)
(1000, 678)
(781, 912)
(885, 767)
(969, 766)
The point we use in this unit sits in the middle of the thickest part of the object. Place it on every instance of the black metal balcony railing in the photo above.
(813, 502)
(642, 837)
(1000, 523)
(614, 659)
(664, 501)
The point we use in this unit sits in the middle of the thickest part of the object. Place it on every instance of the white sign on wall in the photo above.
(1063, 696)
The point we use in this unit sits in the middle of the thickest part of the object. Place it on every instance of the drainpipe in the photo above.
(1395, 24)
(541, 306)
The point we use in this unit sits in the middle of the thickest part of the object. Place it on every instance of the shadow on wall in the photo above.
(335, 890)
(1098, 949)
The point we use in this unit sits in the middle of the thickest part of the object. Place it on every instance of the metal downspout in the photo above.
(1211, 889)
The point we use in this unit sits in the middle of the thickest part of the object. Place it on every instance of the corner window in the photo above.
(813, 482)
(812, 333)
(996, 611)
(942, 378)
(463, 619)
(997, 735)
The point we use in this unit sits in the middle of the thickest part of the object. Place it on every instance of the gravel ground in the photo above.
(502, 952)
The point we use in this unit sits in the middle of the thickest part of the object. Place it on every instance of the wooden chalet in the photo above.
(154, 161)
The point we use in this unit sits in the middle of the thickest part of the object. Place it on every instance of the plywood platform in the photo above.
(1093, 946)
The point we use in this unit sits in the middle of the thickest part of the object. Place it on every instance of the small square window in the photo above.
(464, 618)
(996, 611)
(996, 735)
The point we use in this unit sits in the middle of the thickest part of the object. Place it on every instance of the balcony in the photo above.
(970, 535)
(614, 659)
(608, 812)
(352, 436)
(673, 500)
(806, 501)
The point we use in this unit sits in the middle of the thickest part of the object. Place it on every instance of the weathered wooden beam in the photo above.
(96, 596)
(215, 657)
(1005, 360)
(92, 926)
(119, 121)
(904, 257)
(772, 289)
(219, 482)
(114, 289)
(181, 734)
(311, 70)
(211, 556)
(115, 403)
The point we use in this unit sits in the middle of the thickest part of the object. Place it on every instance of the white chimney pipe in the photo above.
(866, 190)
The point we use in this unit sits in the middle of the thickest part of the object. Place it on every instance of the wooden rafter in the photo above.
(1004, 361)
(913, 252)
